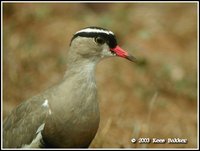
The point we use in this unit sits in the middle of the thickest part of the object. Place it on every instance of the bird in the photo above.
(65, 115)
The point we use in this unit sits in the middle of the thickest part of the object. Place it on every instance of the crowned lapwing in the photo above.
(67, 114)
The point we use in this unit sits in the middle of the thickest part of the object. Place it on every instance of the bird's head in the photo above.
(97, 43)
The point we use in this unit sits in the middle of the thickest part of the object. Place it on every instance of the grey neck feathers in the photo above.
(82, 65)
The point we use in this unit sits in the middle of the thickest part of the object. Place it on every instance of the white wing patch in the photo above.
(36, 143)
(46, 104)
(90, 30)
(40, 128)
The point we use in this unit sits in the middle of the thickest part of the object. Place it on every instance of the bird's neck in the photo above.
(83, 69)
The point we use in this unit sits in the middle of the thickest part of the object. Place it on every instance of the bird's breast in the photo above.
(75, 119)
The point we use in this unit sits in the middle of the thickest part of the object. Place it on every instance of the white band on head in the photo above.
(95, 30)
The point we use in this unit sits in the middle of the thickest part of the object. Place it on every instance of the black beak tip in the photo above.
(131, 58)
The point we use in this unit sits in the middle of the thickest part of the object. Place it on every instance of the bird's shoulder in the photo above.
(21, 127)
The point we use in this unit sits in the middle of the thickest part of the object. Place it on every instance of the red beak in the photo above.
(122, 53)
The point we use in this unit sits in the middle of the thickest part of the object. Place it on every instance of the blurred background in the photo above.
(156, 98)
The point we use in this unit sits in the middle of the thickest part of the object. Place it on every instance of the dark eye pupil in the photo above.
(99, 40)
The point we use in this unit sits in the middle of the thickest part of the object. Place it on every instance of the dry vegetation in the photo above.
(156, 98)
